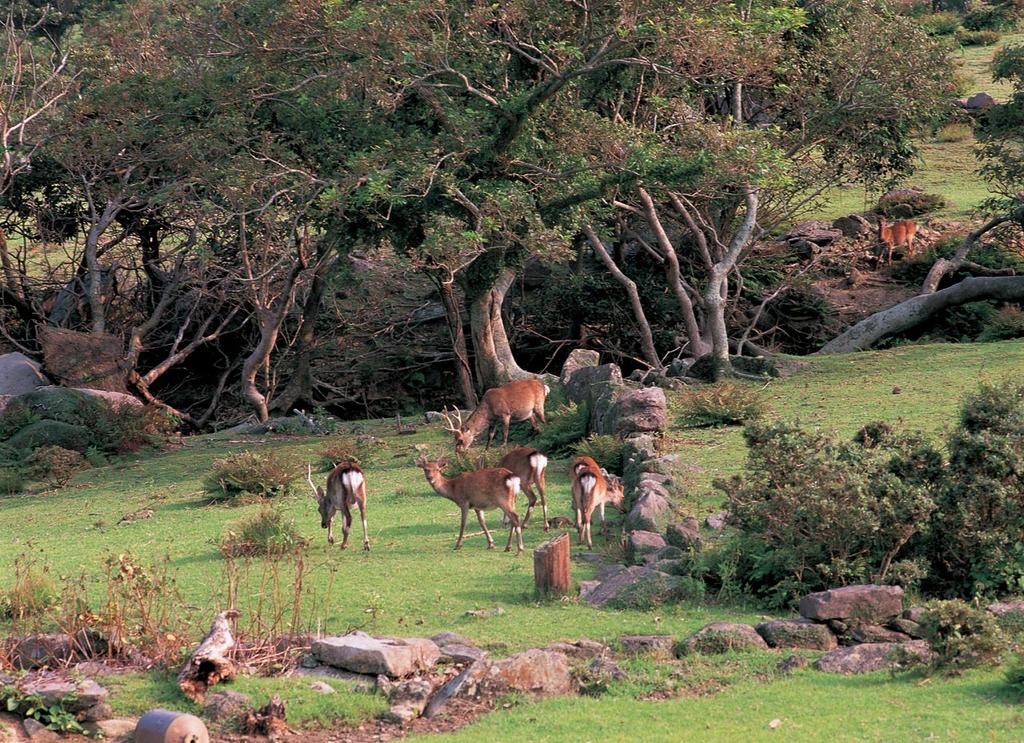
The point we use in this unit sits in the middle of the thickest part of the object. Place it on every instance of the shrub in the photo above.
(16, 417)
(259, 474)
(976, 38)
(52, 433)
(903, 203)
(1005, 324)
(566, 425)
(12, 480)
(124, 428)
(33, 593)
(266, 533)
(607, 451)
(55, 465)
(723, 404)
(996, 17)
(976, 548)
(813, 512)
(954, 131)
(961, 636)
(1015, 675)
(55, 717)
(940, 24)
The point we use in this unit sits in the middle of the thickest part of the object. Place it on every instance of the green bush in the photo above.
(940, 24)
(1015, 675)
(813, 512)
(904, 203)
(977, 38)
(961, 636)
(16, 417)
(32, 595)
(52, 433)
(265, 533)
(976, 546)
(722, 404)
(566, 425)
(12, 480)
(994, 17)
(55, 465)
(259, 474)
(607, 451)
(1005, 324)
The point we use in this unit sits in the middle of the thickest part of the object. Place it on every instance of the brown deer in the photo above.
(592, 489)
(346, 487)
(520, 400)
(899, 234)
(482, 490)
(529, 464)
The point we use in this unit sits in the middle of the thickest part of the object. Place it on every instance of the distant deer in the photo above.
(521, 400)
(896, 235)
(529, 464)
(592, 489)
(346, 487)
(482, 490)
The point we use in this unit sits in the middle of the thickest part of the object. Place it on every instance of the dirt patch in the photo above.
(862, 294)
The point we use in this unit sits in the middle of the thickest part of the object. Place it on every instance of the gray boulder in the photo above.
(879, 656)
(797, 633)
(409, 698)
(875, 633)
(717, 521)
(73, 695)
(817, 233)
(580, 649)
(722, 637)
(853, 226)
(638, 411)
(591, 382)
(977, 102)
(579, 358)
(225, 705)
(660, 646)
(391, 656)
(540, 673)
(640, 543)
(866, 603)
(631, 584)
(685, 535)
(649, 512)
(19, 374)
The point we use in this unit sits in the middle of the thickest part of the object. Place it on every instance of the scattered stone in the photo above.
(852, 226)
(582, 649)
(497, 611)
(607, 668)
(621, 584)
(225, 705)
(797, 633)
(19, 374)
(875, 633)
(686, 535)
(323, 687)
(648, 513)
(450, 638)
(97, 712)
(907, 627)
(716, 521)
(37, 732)
(865, 603)
(721, 637)
(360, 653)
(660, 646)
(869, 657)
(361, 682)
(792, 662)
(638, 411)
(465, 684)
(1002, 608)
(640, 543)
(587, 587)
(579, 358)
(73, 696)
(458, 653)
(540, 673)
(128, 518)
(115, 729)
(409, 699)
(914, 613)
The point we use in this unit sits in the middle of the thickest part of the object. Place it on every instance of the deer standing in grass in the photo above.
(592, 489)
(480, 490)
(346, 487)
(529, 464)
(521, 400)
(899, 234)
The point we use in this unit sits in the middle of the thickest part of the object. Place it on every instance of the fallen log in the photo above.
(208, 664)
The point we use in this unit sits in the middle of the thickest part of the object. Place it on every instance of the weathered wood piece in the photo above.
(208, 664)
(551, 567)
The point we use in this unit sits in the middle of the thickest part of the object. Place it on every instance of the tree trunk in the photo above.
(914, 311)
(714, 303)
(944, 267)
(551, 567)
(10, 275)
(208, 664)
(457, 333)
(646, 337)
(495, 363)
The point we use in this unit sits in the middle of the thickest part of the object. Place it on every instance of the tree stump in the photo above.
(551, 567)
(208, 665)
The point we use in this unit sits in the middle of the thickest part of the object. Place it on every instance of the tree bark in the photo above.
(208, 664)
(551, 573)
(495, 363)
(646, 337)
(457, 333)
(944, 267)
(914, 311)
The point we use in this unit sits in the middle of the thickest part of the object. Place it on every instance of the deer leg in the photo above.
(541, 485)
(590, 542)
(540, 414)
(504, 424)
(483, 525)
(533, 501)
(516, 529)
(462, 528)
(492, 431)
(346, 525)
(362, 516)
(330, 530)
(533, 422)
(604, 526)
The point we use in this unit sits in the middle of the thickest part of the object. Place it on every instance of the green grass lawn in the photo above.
(412, 582)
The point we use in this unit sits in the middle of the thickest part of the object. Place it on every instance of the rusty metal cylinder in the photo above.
(164, 726)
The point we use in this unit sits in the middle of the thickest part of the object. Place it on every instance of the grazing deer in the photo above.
(521, 400)
(346, 487)
(482, 490)
(528, 464)
(592, 489)
(896, 235)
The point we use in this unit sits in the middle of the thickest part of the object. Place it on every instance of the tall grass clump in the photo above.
(252, 474)
(723, 404)
(264, 534)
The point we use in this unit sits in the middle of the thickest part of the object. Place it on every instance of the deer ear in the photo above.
(442, 462)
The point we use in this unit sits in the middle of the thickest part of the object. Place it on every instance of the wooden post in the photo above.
(551, 567)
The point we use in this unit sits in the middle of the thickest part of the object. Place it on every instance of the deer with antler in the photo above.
(346, 487)
(481, 490)
(592, 489)
(521, 400)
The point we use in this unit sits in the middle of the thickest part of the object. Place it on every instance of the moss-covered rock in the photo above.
(51, 433)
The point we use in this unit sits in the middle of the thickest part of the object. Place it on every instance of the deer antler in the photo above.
(448, 421)
(309, 479)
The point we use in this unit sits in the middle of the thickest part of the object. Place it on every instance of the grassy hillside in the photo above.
(412, 582)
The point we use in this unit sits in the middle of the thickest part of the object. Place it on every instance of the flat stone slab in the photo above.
(74, 696)
(874, 633)
(875, 656)
(797, 633)
(582, 649)
(459, 653)
(541, 673)
(359, 681)
(391, 656)
(657, 645)
(867, 603)
(722, 637)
